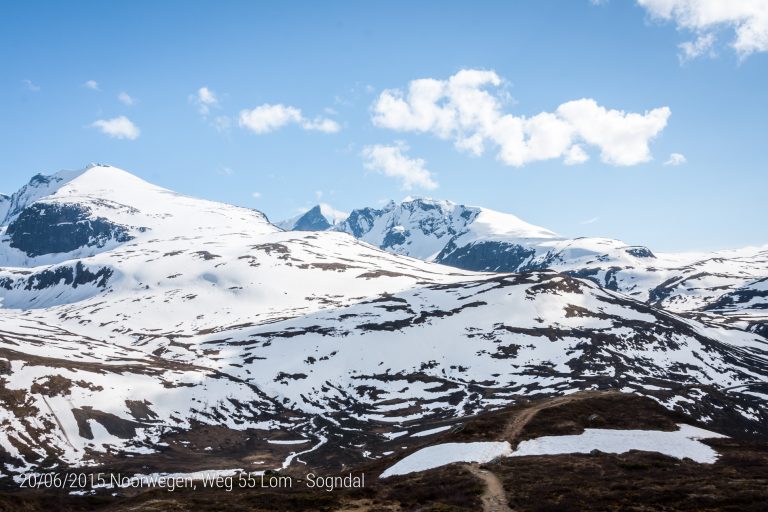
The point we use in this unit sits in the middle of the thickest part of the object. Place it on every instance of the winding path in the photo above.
(494, 498)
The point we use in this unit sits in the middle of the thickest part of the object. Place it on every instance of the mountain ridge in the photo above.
(210, 319)
(457, 235)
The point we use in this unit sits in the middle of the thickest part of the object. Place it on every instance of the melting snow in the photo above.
(431, 431)
(680, 444)
(448, 453)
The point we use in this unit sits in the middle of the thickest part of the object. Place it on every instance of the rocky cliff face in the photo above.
(44, 228)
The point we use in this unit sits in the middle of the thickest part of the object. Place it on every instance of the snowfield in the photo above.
(130, 312)
(475, 238)
(448, 453)
(682, 443)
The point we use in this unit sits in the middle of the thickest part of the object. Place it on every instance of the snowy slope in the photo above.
(204, 313)
(424, 228)
(480, 239)
(5, 203)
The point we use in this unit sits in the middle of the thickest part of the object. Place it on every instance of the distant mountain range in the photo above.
(725, 287)
(135, 320)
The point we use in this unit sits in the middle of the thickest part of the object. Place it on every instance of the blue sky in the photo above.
(321, 69)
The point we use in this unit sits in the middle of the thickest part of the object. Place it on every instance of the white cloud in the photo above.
(467, 108)
(703, 44)
(205, 99)
(321, 124)
(318, 194)
(30, 86)
(676, 159)
(91, 84)
(748, 19)
(268, 118)
(118, 128)
(390, 161)
(126, 99)
(222, 123)
(256, 195)
(225, 171)
(590, 221)
(575, 155)
(622, 137)
(332, 214)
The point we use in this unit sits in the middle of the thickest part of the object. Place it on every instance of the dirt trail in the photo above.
(494, 497)
(516, 424)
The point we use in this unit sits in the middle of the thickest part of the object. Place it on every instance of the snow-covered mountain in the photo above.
(479, 239)
(431, 230)
(132, 315)
(4, 205)
(318, 218)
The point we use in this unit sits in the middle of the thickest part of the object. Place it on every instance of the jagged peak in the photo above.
(486, 221)
(318, 218)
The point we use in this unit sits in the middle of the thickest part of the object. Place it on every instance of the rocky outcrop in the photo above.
(49, 228)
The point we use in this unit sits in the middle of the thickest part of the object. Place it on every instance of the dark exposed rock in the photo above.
(49, 228)
(394, 238)
(313, 220)
(361, 221)
(491, 256)
(748, 294)
(55, 385)
(115, 425)
(75, 276)
(639, 252)
(140, 409)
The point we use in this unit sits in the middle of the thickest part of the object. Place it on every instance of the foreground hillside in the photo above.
(597, 480)
(145, 331)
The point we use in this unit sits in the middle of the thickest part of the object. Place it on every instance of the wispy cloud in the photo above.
(590, 221)
(747, 20)
(467, 108)
(205, 99)
(92, 85)
(118, 128)
(256, 195)
(702, 45)
(222, 123)
(676, 159)
(332, 214)
(126, 99)
(268, 117)
(30, 86)
(391, 161)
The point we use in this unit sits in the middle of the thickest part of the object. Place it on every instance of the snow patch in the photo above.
(679, 444)
(448, 453)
